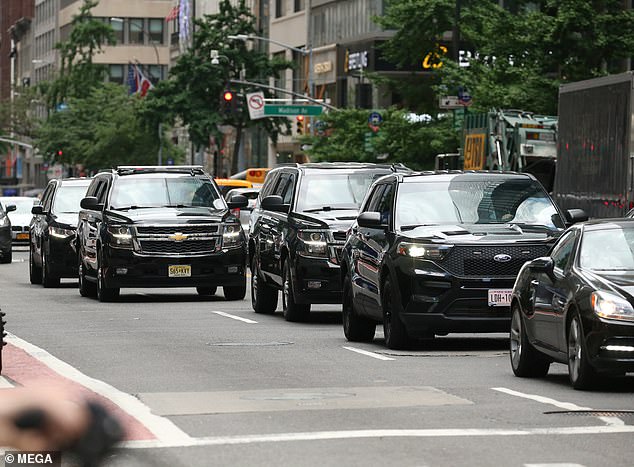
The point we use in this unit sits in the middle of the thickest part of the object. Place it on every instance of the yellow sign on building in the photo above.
(474, 151)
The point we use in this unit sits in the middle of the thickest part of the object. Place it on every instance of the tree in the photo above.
(401, 137)
(102, 129)
(193, 92)
(520, 55)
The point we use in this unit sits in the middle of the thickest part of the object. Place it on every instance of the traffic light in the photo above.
(300, 124)
(227, 101)
(60, 153)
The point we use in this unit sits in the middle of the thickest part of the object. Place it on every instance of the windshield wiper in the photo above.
(414, 226)
(127, 208)
(330, 208)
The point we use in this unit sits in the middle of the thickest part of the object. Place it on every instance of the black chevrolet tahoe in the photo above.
(298, 228)
(159, 227)
(434, 253)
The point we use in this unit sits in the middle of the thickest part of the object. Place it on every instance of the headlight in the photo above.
(119, 236)
(607, 305)
(312, 244)
(60, 233)
(420, 250)
(231, 236)
(4, 221)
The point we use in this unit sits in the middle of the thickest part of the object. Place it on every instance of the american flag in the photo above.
(173, 14)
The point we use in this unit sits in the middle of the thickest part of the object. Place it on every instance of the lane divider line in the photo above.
(367, 353)
(611, 421)
(352, 434)
(164, 429)
(238, 318)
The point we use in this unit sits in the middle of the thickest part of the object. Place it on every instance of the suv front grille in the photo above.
(170, 230)
(477, 261)
(177, 239)
(178, 248)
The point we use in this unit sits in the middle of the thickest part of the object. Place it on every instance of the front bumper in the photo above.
(316, 280)
(435, 301)
(5, 239)
(62, 257)
(125, 268)
(611, 346)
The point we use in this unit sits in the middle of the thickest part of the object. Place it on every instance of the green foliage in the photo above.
(348, 137)
(523, 53)
(103, 129)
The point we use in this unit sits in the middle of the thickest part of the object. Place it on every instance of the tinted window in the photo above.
(373, 199)
(563, 250)
(467, 199)
(156, 192)
(618, 257)
(385, 204)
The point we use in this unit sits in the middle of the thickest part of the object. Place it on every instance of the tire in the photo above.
(236, 292)
(7, 256)
(292, 311)
(206, 291)
(263, 296)
(580, 372)
(356, 328)
(35, 272)
(396, 337)
(86, 288)
(104, 294)
(49, 279)
(526, 361)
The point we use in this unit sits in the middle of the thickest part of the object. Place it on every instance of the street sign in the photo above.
(255, 102)
(463, 96)
(374, 121)
(289, 110)
(449, 102)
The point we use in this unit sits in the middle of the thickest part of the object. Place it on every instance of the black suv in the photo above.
(5, 233)
(52, 252)
(298, 228)
(438, 252)
(159, 227)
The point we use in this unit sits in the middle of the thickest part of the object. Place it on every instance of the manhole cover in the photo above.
(247, 344)
(594, 413)
(300, 396)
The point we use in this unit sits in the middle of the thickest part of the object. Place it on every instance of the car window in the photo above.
(287, 194)
(269, 183)
(594, 255)
(46, 197)
(281, 184)
(102, 191)
(385, 202)
(562, 252)
(373, 199)
(68, 197)
(140, 192)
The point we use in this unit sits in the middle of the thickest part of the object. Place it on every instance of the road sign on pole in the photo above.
(255, 102)
(449, 102)
(290, 110)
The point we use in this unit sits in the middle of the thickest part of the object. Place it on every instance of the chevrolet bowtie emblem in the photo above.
(178, 237)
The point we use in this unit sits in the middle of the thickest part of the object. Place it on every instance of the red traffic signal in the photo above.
(59, 153)
(227, 96)
(300, 124)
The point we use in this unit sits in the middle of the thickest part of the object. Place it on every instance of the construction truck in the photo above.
(511, 140)
(596, 146)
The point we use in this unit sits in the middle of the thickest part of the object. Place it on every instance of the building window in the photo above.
(115, 74)
(156, 30)
(299, 5)
(280, 8)
(117, 26)
(136, 31)
(155, 73)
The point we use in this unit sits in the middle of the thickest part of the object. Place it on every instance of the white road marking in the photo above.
(369, 354)
(356, 434)
(4, 383)
(239, 318)
(161, 427)
(554, 464)
(612, 421)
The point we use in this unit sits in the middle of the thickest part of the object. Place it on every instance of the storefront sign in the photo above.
(355, 61)
(323, 67)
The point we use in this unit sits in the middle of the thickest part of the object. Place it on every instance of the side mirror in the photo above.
(90, 202)
(238, 201)
(371, 220)
(37, 210)
(545, 265)
(576, 215)
(274, 203)
(10, 208)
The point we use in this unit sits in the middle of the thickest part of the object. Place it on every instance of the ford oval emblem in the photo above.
(502, 258)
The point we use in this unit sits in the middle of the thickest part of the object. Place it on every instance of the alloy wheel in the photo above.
(574, 350)
(516, 339)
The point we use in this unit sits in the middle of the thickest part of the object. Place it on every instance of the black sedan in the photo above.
(52, 253)
(576, 306)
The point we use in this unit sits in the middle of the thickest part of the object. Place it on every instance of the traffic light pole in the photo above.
(284, 91)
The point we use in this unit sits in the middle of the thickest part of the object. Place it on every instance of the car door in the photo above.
(89, 225)
(267, 223)
(551, 294)
(279, 223)
(39, 230)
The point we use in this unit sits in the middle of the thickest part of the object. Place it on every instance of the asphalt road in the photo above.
(228, 387)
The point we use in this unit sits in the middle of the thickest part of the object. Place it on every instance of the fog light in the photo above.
(121, 271)
(314, 284)
(232, 269)
(618, 348)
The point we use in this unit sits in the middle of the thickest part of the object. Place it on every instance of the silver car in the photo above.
(21, 217)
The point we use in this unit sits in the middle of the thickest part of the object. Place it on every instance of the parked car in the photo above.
(434, 253)
(575, 306)
(52, 253)
(301, 222)
(21, 217)
(165, 226)
(251, 194)
(6, 255)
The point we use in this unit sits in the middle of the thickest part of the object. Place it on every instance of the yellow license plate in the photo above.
(179, 270)
(22, 236)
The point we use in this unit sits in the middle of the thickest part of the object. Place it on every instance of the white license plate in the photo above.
(500, 297)
(179, 270)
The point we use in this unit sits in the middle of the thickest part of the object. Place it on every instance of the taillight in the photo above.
(236, 212)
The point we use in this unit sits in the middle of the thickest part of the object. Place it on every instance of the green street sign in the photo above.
(288, 110)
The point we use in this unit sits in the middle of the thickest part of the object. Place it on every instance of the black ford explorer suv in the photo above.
(159, 227)
(298, 228)
(433, 253)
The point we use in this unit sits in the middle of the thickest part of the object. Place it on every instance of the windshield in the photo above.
(138, 192)
(470, 200)
(68, 197)
(618, 257)
(23, 205)
(335, 190)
